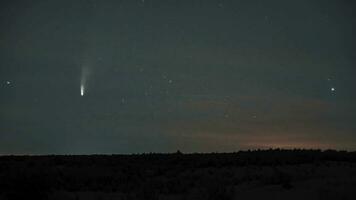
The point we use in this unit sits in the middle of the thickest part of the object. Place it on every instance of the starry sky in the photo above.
(133, 76)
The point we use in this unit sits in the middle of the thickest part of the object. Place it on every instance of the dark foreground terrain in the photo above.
(267, 174)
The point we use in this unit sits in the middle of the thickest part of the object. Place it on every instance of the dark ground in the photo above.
(263, 174)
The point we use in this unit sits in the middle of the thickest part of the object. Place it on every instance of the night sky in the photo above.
(91, 76)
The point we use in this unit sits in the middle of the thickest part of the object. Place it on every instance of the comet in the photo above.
(82, 89)
(83, 79)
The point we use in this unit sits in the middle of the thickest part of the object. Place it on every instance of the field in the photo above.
(261, 174)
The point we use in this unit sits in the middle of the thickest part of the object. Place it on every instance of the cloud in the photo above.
(254, 122)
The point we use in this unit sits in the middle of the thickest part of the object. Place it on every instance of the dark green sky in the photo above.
(162, 75)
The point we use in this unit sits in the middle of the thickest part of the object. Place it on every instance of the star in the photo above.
(8, 82)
